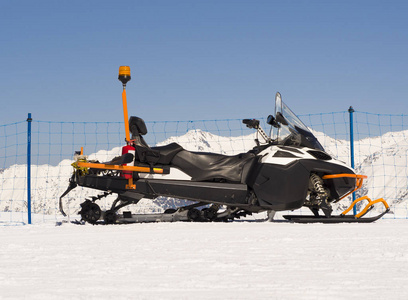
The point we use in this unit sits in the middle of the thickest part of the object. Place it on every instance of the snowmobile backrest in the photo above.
(137, 126)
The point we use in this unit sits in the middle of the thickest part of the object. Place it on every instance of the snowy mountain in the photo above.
(383, 159)
(198, 140)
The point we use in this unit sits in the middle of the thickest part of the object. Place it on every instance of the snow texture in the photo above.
(238, 260)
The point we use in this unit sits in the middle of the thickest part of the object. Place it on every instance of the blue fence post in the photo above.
(29, 120)
(351, 111)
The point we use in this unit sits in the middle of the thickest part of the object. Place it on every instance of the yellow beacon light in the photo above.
(124, 74)
(124, 77)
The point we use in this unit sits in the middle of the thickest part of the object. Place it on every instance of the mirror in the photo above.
(272, 121)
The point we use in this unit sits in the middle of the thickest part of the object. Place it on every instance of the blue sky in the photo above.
(195, 60)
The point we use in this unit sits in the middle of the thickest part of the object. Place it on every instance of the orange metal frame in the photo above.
(359, 184)
(370, 203)
(359, 181)
(120, 168)
(130, 184)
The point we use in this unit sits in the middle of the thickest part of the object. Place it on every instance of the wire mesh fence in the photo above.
(13, 171)
(381, 148)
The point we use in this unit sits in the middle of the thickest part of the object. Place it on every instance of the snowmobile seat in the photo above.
(200, 166)
(167, 152)
(144, 154)
(203, 166)
(157, 155)
(138, 129)
(137, 126)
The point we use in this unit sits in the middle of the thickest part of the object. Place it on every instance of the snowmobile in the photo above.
(286, 170)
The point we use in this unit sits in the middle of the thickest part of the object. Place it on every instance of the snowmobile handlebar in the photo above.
(254, 124)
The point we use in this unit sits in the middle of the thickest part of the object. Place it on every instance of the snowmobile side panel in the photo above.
(284, 187)
(104, 183)
(209, 192)
(112, 184)
(280, 187)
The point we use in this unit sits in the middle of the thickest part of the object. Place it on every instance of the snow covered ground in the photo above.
(238, 260)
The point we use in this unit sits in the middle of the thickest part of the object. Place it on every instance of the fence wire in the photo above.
(381, 149)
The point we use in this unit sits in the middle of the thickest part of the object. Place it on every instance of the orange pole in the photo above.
(124, 77)
(119, 168)
(125, 114)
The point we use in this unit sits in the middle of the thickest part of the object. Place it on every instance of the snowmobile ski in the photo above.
(343, 218)
(333, 219)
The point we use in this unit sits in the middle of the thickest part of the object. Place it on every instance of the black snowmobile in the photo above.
(284, 172)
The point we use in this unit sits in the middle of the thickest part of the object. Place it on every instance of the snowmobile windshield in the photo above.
(292, 131)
